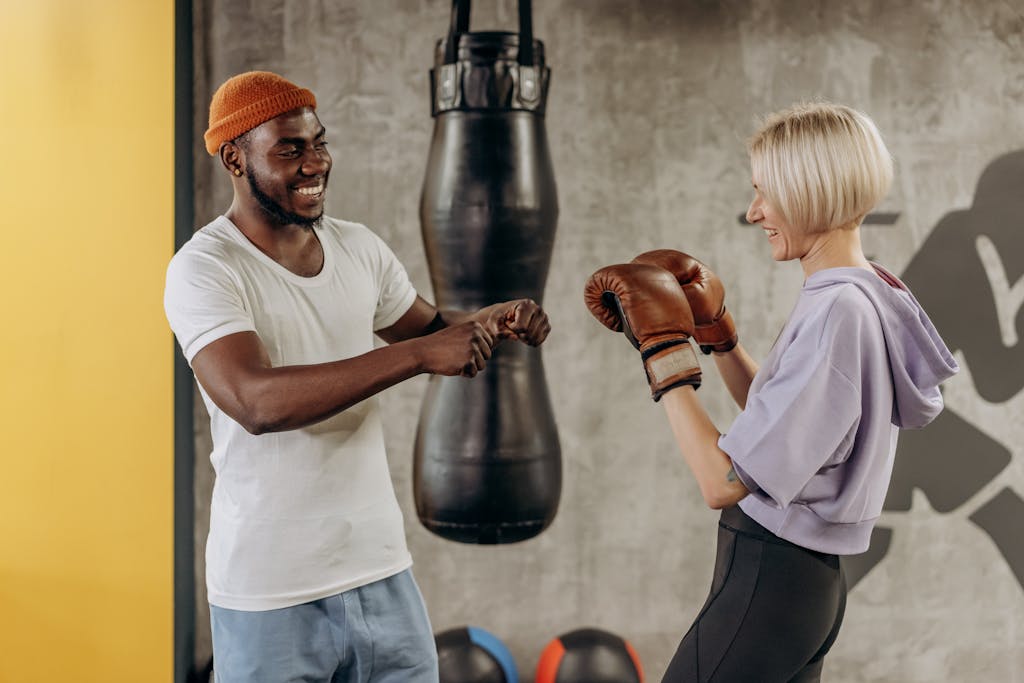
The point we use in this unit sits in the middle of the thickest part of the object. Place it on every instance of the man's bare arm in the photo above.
(521, 319)
(237, 374)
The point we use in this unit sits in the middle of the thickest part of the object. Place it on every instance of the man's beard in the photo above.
(275, 211)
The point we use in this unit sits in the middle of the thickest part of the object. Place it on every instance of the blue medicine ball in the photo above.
(472, 655)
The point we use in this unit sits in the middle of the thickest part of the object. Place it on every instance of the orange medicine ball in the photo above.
(589, 655)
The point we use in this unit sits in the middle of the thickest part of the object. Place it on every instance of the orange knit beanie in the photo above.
(247, 100)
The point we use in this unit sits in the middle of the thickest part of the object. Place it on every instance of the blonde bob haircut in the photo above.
(822, 166)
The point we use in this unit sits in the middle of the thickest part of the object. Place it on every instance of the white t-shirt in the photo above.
(301, 514)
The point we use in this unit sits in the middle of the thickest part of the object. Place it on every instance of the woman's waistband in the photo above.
(736, 520)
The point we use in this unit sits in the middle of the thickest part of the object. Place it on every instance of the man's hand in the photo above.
(462, 349)
(521, 319)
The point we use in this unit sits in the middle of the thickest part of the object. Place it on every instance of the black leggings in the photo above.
(773, 612)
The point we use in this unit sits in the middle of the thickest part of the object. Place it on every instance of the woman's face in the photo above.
(786, 241)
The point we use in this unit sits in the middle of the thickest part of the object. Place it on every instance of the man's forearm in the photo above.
(450, 317)
(269, 399)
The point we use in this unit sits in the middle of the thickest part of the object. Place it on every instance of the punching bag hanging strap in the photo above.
(529, 74)
(525, 90)
(460, 24)
(525, 33)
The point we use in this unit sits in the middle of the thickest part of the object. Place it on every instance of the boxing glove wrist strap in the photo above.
(658, 347)
(689, 381)
(724, 347)
(718, 335)
(669, 364)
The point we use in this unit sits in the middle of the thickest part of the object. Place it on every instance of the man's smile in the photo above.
(311, 190)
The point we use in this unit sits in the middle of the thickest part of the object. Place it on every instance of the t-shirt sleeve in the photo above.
(396, 291)
(202, 302)
(794, 425)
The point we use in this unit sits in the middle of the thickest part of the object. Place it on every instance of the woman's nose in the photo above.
(754, 214)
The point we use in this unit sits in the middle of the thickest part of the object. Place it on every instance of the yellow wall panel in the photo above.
(86, 415)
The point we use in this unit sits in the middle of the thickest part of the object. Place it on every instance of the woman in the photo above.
(802, 473)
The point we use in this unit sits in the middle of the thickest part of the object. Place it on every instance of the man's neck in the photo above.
(295, 247)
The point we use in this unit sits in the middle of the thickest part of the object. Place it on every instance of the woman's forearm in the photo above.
(737, 369)
(697, 438)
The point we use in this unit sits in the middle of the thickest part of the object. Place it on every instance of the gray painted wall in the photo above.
(649, 106)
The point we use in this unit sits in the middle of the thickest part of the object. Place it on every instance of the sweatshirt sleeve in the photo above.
(795, 424)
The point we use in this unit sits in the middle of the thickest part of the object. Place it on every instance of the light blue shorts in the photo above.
(378, 633)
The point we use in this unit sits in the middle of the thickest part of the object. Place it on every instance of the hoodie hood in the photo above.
(918, 358)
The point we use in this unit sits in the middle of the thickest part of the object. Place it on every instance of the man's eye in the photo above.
(290, 154)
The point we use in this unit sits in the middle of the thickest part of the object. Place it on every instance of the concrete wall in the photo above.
(649, 105)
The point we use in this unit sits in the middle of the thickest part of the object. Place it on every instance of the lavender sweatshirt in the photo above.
(857, 360)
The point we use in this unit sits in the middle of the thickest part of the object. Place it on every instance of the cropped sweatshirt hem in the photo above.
(799, 524)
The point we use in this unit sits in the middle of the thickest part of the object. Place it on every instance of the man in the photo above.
(275, 307)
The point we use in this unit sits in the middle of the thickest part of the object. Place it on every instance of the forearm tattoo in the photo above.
(731, 475)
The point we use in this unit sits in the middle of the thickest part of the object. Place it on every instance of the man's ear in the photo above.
(232, 157)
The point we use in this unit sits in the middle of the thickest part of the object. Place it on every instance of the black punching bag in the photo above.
(488, 466)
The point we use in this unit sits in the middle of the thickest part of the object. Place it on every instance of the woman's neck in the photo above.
(839, 248)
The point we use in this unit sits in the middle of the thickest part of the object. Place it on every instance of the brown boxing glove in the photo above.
(648, 305)
(715, 329)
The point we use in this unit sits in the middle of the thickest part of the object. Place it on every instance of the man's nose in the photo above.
(316, 162)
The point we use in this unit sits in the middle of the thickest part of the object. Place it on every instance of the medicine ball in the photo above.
(589, 655)
(472, 655)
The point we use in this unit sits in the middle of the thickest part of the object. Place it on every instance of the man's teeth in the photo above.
(771, 233)
(310, 191)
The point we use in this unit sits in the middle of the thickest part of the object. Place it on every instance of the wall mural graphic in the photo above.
(968, 276)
